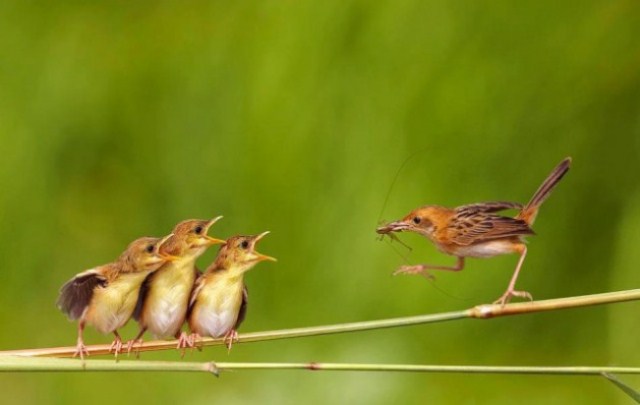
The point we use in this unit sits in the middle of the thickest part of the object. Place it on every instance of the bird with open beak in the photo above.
(106, 296)
(164, 295)
(218, 303)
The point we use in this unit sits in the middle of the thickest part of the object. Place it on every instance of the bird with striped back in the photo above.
(105, 296)
(218, 303)
(476, 230)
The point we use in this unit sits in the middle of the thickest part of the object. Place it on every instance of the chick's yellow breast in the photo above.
(217, 305)
(112, 306)
(166, 304)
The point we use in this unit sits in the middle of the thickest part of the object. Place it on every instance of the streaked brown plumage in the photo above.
(219, 300)
(164, 295)
(476, 231)
(105, 296)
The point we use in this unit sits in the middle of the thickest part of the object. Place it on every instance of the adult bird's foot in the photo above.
(506, 297)
(416, 269)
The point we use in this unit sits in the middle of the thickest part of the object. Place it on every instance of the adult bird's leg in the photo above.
(423, 269)
(511, 292)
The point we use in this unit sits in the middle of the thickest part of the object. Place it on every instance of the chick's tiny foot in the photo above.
(116, 347)
(134, 344)
(81, 350)
(230, 338)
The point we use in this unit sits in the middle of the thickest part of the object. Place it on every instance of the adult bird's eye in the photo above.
(244, 244)
(197, 230)
(149, 249)
(416, 220)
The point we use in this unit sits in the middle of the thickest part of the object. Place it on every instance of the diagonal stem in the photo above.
(479, 312)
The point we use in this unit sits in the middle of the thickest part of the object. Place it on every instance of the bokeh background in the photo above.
(118, 120)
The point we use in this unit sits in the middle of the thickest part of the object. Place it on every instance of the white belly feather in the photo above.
(486, 249)
(217, 307)
(166, 304)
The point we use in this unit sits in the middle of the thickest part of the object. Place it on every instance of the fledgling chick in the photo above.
(105, 296)
(164, 295)
(219, 300)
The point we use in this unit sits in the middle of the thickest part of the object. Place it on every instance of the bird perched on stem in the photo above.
(219, 300)
(476, 231)
(106, 296)
(164, 295)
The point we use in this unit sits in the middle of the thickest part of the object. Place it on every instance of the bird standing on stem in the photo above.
(476, 231)
(106, 296)
(164, 295)
(219, 300)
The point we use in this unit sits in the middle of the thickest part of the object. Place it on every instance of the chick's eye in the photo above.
(244, 244)
(197, 230)
(416, 220)
(149, 249)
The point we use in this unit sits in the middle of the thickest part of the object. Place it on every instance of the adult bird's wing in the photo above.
(488, 207)
(480, 227)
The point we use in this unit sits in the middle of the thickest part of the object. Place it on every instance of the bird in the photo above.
(218, 303)
(164, 295)
(105, 296)
(475, 230)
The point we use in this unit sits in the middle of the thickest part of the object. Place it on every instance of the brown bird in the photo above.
(218, 303)
(476, 231)
(106, 296)
(164, 295)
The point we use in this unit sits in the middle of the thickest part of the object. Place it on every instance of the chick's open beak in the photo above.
(208, 239)
(213, 241)
(168, 257)
(260, 256)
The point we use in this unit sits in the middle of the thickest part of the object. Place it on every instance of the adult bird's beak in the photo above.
(395, 226)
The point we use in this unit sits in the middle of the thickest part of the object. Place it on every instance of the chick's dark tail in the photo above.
(529, 212)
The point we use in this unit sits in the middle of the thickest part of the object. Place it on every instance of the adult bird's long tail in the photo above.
(529, 212)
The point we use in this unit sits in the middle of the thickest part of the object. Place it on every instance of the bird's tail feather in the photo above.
(529, 212)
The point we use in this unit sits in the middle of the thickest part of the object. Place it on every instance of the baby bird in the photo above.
(219, 300)
(105, 296)
(164, 295)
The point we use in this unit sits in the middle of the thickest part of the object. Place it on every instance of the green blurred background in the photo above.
(118, 120)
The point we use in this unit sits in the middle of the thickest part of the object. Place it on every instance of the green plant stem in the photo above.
(479, 312)
(428, 368)
(32, 364)
(21, 363)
